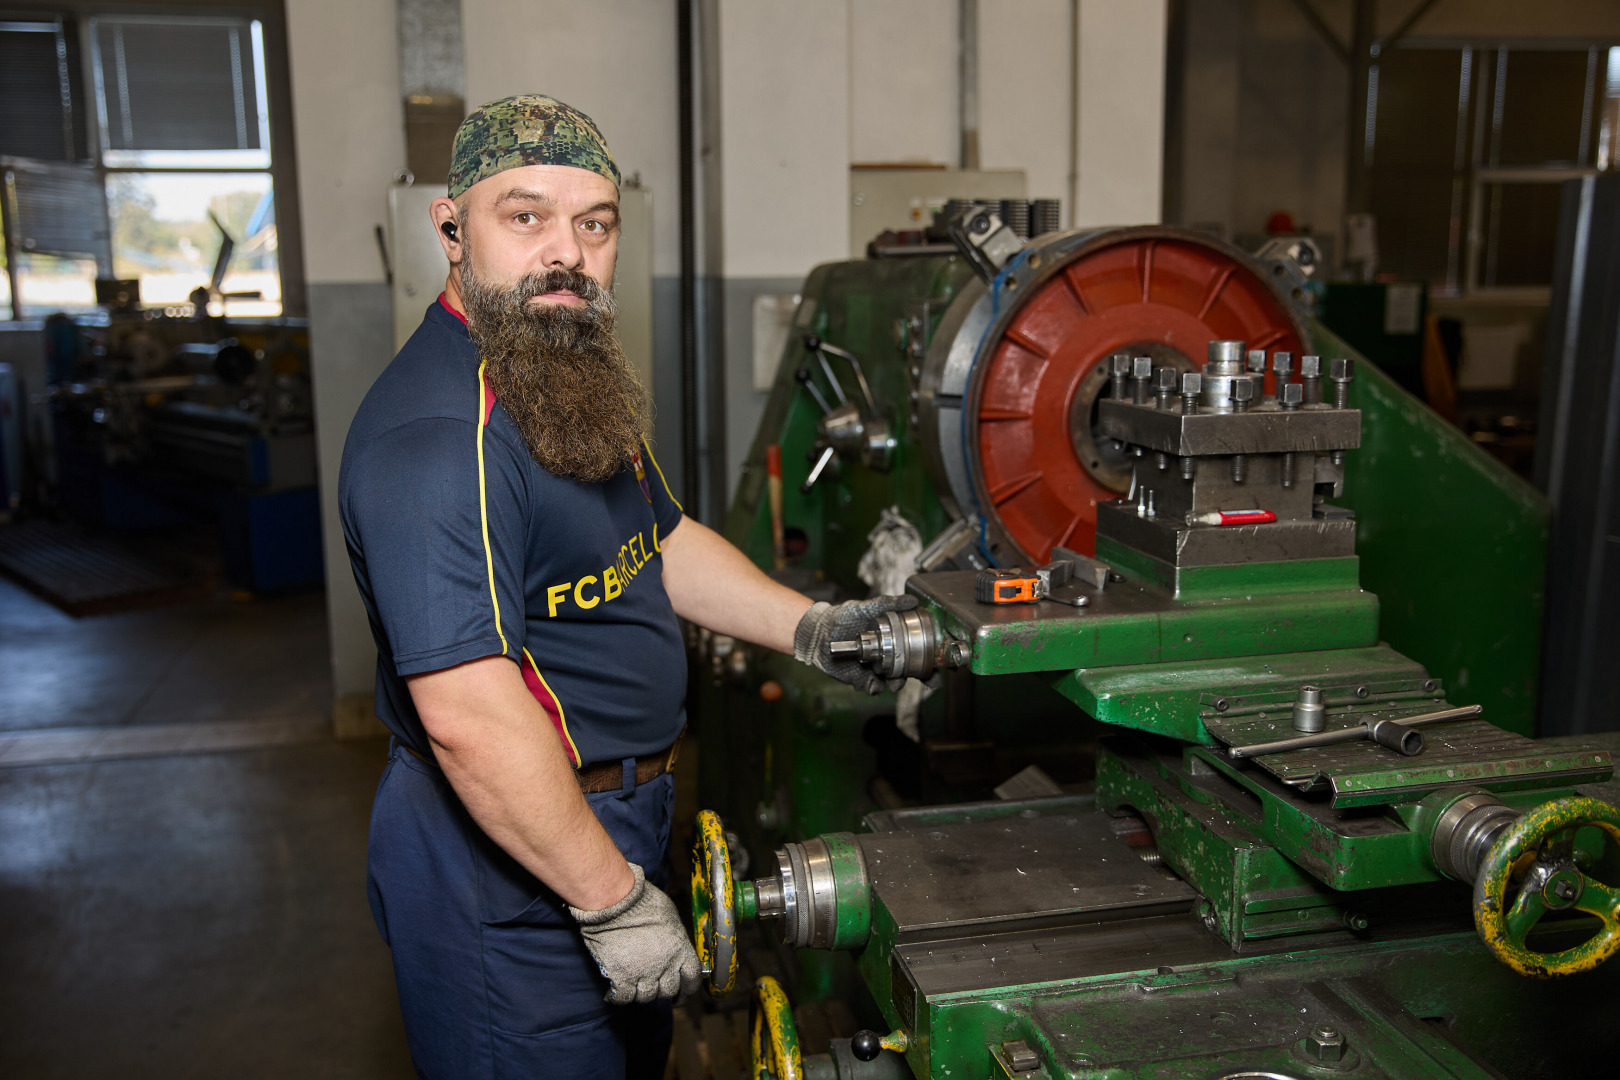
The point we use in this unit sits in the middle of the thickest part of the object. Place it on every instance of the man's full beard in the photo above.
(558, 371)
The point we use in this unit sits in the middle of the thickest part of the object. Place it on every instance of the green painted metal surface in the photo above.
(1223, 582)
(1173, 632)
(1171, 700)
(1453, 543)
(852, 919)
(862, 307)
(1413, 1010)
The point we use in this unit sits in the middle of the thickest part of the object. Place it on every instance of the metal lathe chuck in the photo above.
(905, 645)
(821, 893)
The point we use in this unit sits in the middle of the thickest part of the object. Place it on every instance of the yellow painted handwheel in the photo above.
(776, 1036)
(1536, 853)
(714, 904)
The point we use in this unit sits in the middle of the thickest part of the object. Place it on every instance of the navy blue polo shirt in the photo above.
(464, 547)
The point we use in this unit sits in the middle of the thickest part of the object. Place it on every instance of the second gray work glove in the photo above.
(640, 944)
(826, 623)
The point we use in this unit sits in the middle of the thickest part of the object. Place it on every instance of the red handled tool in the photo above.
(1231, 517)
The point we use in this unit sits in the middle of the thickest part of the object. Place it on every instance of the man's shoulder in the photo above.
(434, 376)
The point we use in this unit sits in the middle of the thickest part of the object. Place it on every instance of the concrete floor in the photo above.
(186, 915)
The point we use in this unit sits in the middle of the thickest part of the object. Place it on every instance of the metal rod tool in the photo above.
(1395, 734)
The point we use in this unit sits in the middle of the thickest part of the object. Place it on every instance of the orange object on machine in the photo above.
(1007, 587)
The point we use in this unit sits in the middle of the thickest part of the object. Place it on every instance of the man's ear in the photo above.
(446, 224)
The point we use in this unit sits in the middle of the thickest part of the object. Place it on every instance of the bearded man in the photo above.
(523, 564)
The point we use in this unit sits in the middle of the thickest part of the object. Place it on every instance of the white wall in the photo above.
(1121, 112)
(348, 130)
(612, 59)
(1025, 116)
(902, 81)
(903, 94)
(784, 133)
(349, 136)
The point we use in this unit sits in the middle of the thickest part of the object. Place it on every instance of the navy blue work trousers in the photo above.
(494, 979)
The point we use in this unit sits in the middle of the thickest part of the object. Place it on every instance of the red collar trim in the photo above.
(445, 301)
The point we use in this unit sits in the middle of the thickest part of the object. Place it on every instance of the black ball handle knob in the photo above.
(866, 1045)
(812, 342)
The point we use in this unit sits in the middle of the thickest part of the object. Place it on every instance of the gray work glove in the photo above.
(640, 944)
(825, 623)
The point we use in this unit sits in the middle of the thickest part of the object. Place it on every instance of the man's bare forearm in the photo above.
(502, 756)
(711, 583)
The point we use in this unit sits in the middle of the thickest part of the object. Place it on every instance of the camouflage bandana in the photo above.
(526, 130)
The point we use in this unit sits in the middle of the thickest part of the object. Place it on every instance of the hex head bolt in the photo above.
(1192, 384)
(1164, 392)
(1310, 376)
(1282, 363)
(1119, 369)
(1325, 1043)
(1257, 361)
(1340, 371)
(1164, 387)
(1141, 376)
(1289, 396)
(1242, 394)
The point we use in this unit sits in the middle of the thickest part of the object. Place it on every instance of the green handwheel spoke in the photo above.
(1600, 900)
(1527, 910)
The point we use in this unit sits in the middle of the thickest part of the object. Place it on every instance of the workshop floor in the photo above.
(182, 850)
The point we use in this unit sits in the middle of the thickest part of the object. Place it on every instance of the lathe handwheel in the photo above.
(1540, 847)
(714, 910)
(776, 1036)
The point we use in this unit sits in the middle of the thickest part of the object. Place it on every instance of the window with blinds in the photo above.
(181, 92)
(39, 86)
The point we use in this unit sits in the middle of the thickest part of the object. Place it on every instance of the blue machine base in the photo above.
(272, 541)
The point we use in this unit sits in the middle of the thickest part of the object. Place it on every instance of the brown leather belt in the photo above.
(608, 775)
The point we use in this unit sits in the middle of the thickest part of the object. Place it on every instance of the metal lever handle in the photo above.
(816, 470)
(804, 377)
(823, 349)
(1390, 733)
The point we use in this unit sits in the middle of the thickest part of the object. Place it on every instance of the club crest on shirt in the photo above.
(641, 475)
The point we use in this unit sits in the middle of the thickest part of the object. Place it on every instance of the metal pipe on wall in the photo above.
(690, 485)
(1074, 112)
(967, 34)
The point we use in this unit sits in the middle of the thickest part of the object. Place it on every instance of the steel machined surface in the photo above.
(1465, 830)
(1015, 872)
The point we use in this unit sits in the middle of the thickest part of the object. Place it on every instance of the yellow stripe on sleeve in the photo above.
(483, 514)
(668, 492)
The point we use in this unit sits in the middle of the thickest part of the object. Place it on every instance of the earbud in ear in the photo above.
(449, 229)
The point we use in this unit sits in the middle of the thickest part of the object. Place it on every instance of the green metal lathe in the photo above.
(1317, 841)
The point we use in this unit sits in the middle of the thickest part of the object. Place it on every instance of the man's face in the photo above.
(534, 219)
(533, 262)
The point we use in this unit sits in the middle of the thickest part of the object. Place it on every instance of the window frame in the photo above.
(182, 160)
(1472, 173)
(267, 27)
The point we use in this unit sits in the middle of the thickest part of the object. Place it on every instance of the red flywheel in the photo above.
(1038, 471)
